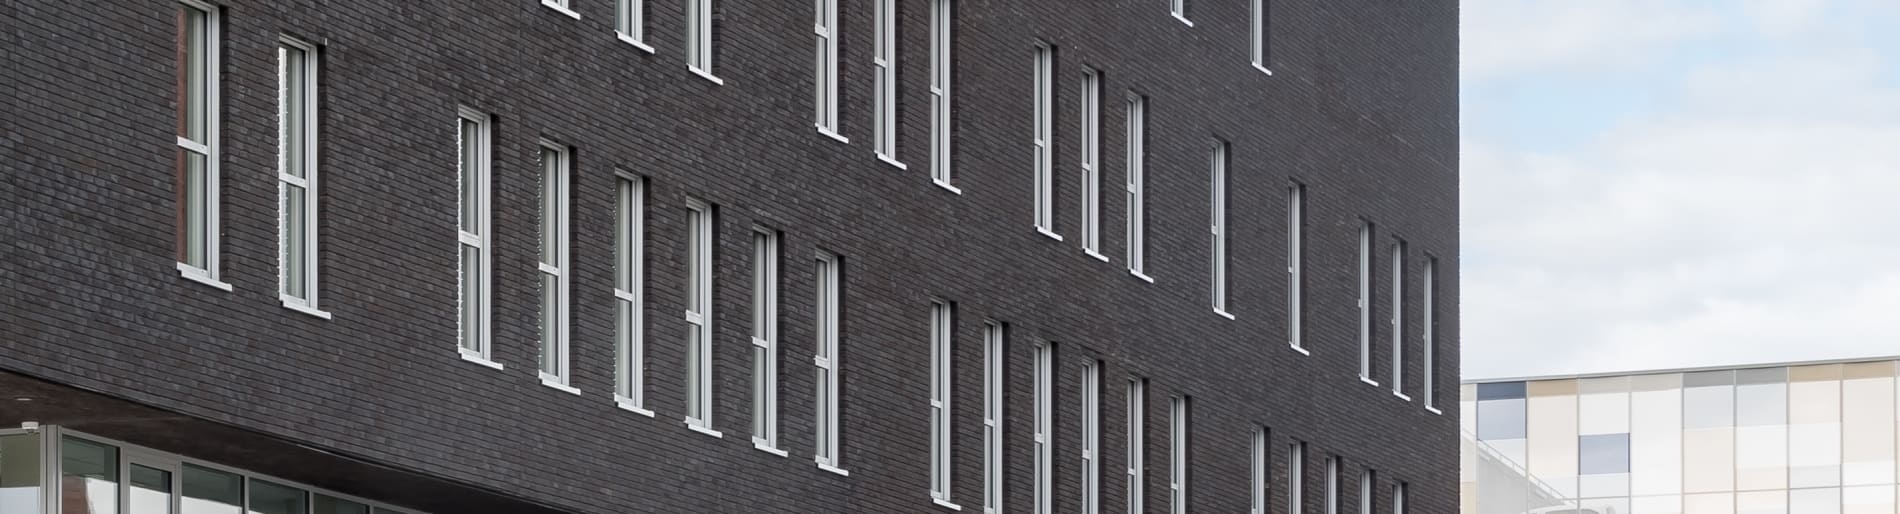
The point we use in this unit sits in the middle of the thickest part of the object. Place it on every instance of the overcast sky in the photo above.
(1667, 183)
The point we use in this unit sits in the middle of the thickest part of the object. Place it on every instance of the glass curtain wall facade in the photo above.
(1810, 438)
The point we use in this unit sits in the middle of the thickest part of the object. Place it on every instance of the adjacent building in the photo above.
(608, 256)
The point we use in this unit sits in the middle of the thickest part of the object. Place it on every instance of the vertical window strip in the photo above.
(297, 175)
(1365, 303)
(995, 358)
(1295, 268)
(1045, 102)
(765, 253)
(472, 186)
(1091, 437)
(630, 294)
(1296, 478)
(1217, 226)
(1178, 454)
(1332, 485)
(700, 37)
(1428, 327)
(556, 174)
(1365, 491)
(1179, 9)
(1091, 163)
(1137, 204)
(1259, 42)
(942, 320)
(1259, 470)
(630, 22)
(1045, 426)
(198, 126)
(699, 316)
(1398, 319)
(885, 60)
(1137, 444)
(1398, 498)
(940, 123)
(825, 98)
(830, 281)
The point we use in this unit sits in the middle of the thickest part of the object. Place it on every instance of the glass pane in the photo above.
(1875, 499)
(623, 237)
(294, 254)
(151, 491)
(192, 195)
(20, 473)
(1867, 424)
(1598, 454)
(1761, 433)
(694, 358)
(471, 297)
(550, 205)
(1764, 502)
(1501, 419)
(269, 498)
(89, 477)
(1551, 444)
(1656, 505)
(327, 505)
(1656, 436)
(292, 111)
(1814, 429)
(1815, 501)
(1715, 503)
(192, 30)
(1708, 400)
(550, 324)
(211, 492)
(759, 357)
(469, 138)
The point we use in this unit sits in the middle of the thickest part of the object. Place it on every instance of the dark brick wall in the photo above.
(1361, 108)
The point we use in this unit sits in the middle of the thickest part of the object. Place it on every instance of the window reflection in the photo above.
(89, 477)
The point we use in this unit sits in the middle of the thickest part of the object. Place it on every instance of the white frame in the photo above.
(941, 24)
(1045, 428)
(1179, 410)
(884, 58)
(1137, 444)
(1178, 8)
(825, 76)
(556, 180)
(1398, 320)
(561, 7)
(1092, 163)
(1296, 478)
(699, 39)
(701, 221)
(630, 293)
(1365, 303)
(765, 313)
(995, 357)
(1217, 227)
(1259, 35)
(1137, 233)
(1044, 140)
(1259, 471)
(208, 149)
(1295, 266)
(1365, 491)
(1332, 485)
(1092, 437)
(630, 23)
(942, 347)
(1428, 328)
(827, 361)
(482, 350)
(306, 88)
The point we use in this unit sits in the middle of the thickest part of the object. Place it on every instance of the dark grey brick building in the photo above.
(724, 256)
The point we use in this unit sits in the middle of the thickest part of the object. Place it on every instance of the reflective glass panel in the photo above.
(89, 477)
(270, 498)
(208, 491)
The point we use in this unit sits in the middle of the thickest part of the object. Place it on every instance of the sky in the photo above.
(1671, 183)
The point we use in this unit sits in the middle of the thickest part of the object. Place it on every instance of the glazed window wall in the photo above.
(1808, 439)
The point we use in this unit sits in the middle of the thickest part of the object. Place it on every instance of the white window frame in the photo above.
(561, 6)
(1428, 328)
(305, 247)
(1217, 227)
(1092, 164)
(884, 59)
(1365, 491)
(827, 361)
(1259, 471)
(699, 39)
(1332, 485)
(701, 221)
(765, 312)
(1296, 478)
(556, 180)
(473, 139)
(1137, 194)
(1092, 437)
(1179, 410)
(630, 23)
(995, 358)
(825, 79)
(1398, 498)
(630, 293)
(1398, 320)
(1179, 8)
(941, 24)
(1365, 303)
(1258, 37)
(942, 352)
(1295, 266)
(1044, 119)
(1137, 444)
(206, 148)
(1045, 428)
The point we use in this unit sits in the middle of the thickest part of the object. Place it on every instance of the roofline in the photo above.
(1680, 370)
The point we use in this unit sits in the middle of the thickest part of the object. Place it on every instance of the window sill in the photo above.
(941, 503)
(1302, 351)
(1051, 234)
(707, 75)
(201, 276)
(548, 380)
(1223, 313)
(299, 306)
(561, 9)
(635, 42)
(1434, 410)
(833, 469)
(891, 161)
(1368, 381)
(697, 426)
(1263, 69)
(1143, 277)
(1401, 396)
(627, 404)
(477, 359)
(767, 448)
(1183, 19)
(946, 186)
(1097, 255)
(833, 134)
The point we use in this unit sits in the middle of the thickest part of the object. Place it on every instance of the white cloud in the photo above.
(1502, 37)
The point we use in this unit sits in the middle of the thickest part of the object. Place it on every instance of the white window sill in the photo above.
(1374, 383)
(1143, 277)
(941, 503)
(761, 445)
(477, 359)
(635, 42)
(299, 306)
(1263, 69)
(891, 161)
(549, 380)
(833, 469)
(201, 276)
(833, 134)
(1182, 18)
(1401, 396)
(561, 9)
(1302, 351)
(1050, 233)
(627, 404)
(946, 186)
(707, 75)
(1223, 313)
(1434, 410)
(1097, 255)
(701, 427)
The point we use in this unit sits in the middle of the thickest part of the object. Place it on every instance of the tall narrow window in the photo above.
(1365, 491)
(1045, 103)
(630, 294)
(700, 38)
(1179, 8)
(1137, 438)
(829, 276)
(1137, 203)
(940, 23)
(1259, 41)
(472, 183)
(297, 175)
(1092, 163)
(1398, 498)
(1092, 437)
(1178, 454)
(1217, 225)
(555, 177)
(1045, 428)
(1296, 478)
(1365, 303)
(1428, 327)
(765, 339)
(630, 22)
(942, 323)
(825, 84)
(1332, 485)
(995, 357)
(1295, 269)
(1398, 319)
(197, 169)
(1259, 469)
(699, 316)
(885, 60)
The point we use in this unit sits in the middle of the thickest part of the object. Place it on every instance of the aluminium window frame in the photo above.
(995, 359)
(306, 136)
(1332, 484)
(702, 231)
(1398, 497)
(1260, 35)
(1364, 303)
(630, 23)
(828, 362)
(1136, 171)
(1092, 437)
(209, 150)
(825, 69)
(630, 292)
(1398, 319)
(1217, 227)
(765, 339)
(942, 353)
(479, 241)
(1179, 9)
(942, 22)
(1092, 163)
(1296, 267)
(1296, 478)
(1428, 329)
(1044, 139)
(1258, 481)
(1045, 428)
(1180, 409)
(561, 6)
(700, 37)
(1366, 478)
(557, 180)
(884, 59)
(1137, 444)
